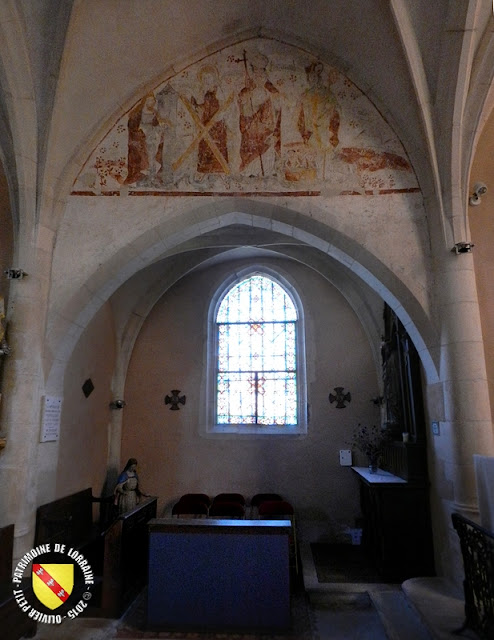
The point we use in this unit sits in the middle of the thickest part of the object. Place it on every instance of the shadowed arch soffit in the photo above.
(135, 299)
(358, 284)
(319, 240)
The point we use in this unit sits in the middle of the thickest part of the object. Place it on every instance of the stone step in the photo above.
(398, 617)
(342, 615)
(440, 605)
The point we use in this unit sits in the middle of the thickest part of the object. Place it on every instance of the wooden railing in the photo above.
(477, 548)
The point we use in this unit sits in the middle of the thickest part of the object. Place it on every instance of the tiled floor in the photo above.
(323, 611)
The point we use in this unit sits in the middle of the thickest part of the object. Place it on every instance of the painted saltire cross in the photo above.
(52, 583)
(340, 398)
(175, 399)
(204, 135)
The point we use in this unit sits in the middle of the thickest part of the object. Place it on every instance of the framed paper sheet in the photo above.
(50, 428)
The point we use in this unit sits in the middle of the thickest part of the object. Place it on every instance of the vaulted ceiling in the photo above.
(66, 69)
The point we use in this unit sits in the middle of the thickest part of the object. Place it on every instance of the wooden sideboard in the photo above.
(397, 531)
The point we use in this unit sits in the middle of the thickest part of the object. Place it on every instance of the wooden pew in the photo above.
(14, 623)
(115, 548)
(125, 564)
(69, 520)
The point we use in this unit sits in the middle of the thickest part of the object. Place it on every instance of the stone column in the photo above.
(23, 388)
(467, 413)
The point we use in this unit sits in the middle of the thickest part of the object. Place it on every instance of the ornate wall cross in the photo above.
(174, 400)
(340, 398)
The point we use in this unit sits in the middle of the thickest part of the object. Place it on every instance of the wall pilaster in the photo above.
(465, 423)
(23, 389)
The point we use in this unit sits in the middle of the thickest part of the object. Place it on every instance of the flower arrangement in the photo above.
(370, 440)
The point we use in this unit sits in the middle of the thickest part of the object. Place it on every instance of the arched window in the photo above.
(259, 367)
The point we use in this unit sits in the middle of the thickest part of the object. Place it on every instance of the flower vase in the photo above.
(372, 466)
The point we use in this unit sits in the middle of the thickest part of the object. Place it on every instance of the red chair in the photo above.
(191, 507)
(226, 509)
(258, 499)
(282, 510)
(269, 508)
(263, 497)
(196, 497)
(230, 497)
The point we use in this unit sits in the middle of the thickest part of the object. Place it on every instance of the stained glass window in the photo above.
(256, 382)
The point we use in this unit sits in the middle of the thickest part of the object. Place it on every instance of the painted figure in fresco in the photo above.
(145, 140)
(4, 347)
(127, 491)
(319, 114)
(166, 108)
(2, 317)
(212, 152)
(259, 105)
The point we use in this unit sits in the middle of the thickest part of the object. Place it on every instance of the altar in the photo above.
(207, 574)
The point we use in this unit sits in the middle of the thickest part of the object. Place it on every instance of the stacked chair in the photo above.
(273, 507)
(258, 499)
(192, 505)
(227, 505)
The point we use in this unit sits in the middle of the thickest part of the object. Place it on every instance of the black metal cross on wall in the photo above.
(174, 400)
(340, 397)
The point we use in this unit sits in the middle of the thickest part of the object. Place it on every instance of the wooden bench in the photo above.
(14, 623)
(115, 548)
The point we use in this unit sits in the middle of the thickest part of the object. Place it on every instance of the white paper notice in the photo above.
(52, 409)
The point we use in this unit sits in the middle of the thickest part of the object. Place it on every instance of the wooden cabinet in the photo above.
(397, 529)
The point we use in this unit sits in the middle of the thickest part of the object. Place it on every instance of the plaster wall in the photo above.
(175, 457)
(482, 230)
(83, 445)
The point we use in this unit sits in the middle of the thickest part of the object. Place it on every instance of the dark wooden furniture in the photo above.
(125, 559)
(397, 530)
(228, 575)
(14, 623)
(477, 549)
(68, 520)
(116, 549)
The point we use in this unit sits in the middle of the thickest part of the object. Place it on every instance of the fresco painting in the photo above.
(257, 117)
